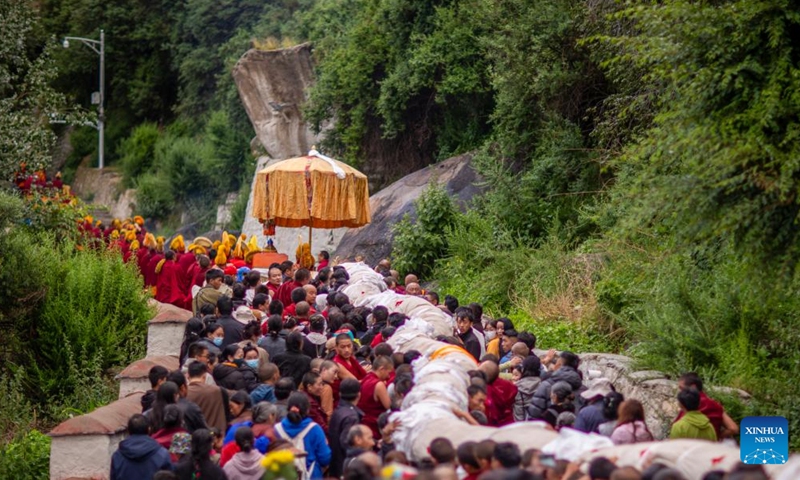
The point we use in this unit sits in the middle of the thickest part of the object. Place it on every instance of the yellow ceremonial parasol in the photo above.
(312, 191)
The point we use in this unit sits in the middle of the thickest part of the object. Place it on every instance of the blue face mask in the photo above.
(217, 341)
(252, 363)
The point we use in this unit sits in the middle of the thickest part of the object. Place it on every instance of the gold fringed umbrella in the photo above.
(311, 191)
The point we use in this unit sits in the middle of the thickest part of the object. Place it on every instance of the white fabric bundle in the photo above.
(571, 444)
(362, 273)
(440, 383)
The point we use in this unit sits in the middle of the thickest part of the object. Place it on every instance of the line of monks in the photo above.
(171, 273)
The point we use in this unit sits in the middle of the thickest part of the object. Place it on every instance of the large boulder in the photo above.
(388, 206)
(272, 85)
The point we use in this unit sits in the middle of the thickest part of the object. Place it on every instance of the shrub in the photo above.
(16, 411)
(417, 246)
(179, 160)
(27, 458)
(94, 318)
(228, 162)
(154, 196)
(138, 151)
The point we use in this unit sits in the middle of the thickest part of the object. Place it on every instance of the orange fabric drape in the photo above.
(282, 193)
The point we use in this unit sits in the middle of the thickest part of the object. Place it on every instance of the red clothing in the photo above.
(322, 264)
(371, 407)
(168, 286)
(228, 451)
(164, 436)
(199, 276)
(292, 310)
(284, 294)
(273, 290)
(376, 340)
(186, 262)
(500, 397)
(150, 272)
(352, 366)
(142, 257)
(711, 409)
(316, 413)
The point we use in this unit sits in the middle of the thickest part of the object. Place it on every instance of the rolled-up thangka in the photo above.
(440, 374)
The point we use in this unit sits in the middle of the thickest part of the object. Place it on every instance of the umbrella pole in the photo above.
(309, 241)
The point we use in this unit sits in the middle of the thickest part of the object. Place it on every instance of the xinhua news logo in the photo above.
(764, 440)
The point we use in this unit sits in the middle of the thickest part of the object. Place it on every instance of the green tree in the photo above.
(26, 98)
(418, 245)
(721, 158)
(419, 86)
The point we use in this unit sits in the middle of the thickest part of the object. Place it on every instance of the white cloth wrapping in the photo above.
(440, 385)
(571, 444)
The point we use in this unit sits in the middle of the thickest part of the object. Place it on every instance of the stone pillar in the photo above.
(82, 446)
(134, 379)
(165, 330)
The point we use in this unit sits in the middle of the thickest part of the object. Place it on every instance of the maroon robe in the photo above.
(140, 255)
(150, 272)
(168, 288)
(144, 259)
(185, 263)
(284, 294)
(500, 396)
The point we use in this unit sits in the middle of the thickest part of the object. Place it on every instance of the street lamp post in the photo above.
(99, 48)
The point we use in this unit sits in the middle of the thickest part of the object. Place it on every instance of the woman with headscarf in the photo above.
(199, 463)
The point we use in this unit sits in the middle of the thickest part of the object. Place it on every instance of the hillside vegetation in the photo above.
(640, 157)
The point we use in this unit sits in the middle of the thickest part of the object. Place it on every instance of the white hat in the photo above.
(244, 315)
(598, 386)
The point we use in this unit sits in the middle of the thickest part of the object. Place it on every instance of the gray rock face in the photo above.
(272, 86)
(388, 206)
(103, 188)
(656, 392)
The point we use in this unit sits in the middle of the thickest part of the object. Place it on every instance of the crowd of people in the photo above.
(279, 359)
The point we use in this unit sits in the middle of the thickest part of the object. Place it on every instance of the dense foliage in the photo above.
(26, 97)
(418, 245)
(168, 77)
(71, 321)
(640, 158)
(641, 174)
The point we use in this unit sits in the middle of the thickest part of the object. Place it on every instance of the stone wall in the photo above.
(104, 187)
(82, 446)
(654, 389)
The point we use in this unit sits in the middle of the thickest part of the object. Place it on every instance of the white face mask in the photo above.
(490, 335)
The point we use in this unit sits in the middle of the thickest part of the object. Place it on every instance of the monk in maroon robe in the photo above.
(500, 396)
(275, 277)
(284, 294)
(168, 288)
(150, 272)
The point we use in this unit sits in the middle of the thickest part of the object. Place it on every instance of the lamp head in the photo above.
(66, 43)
